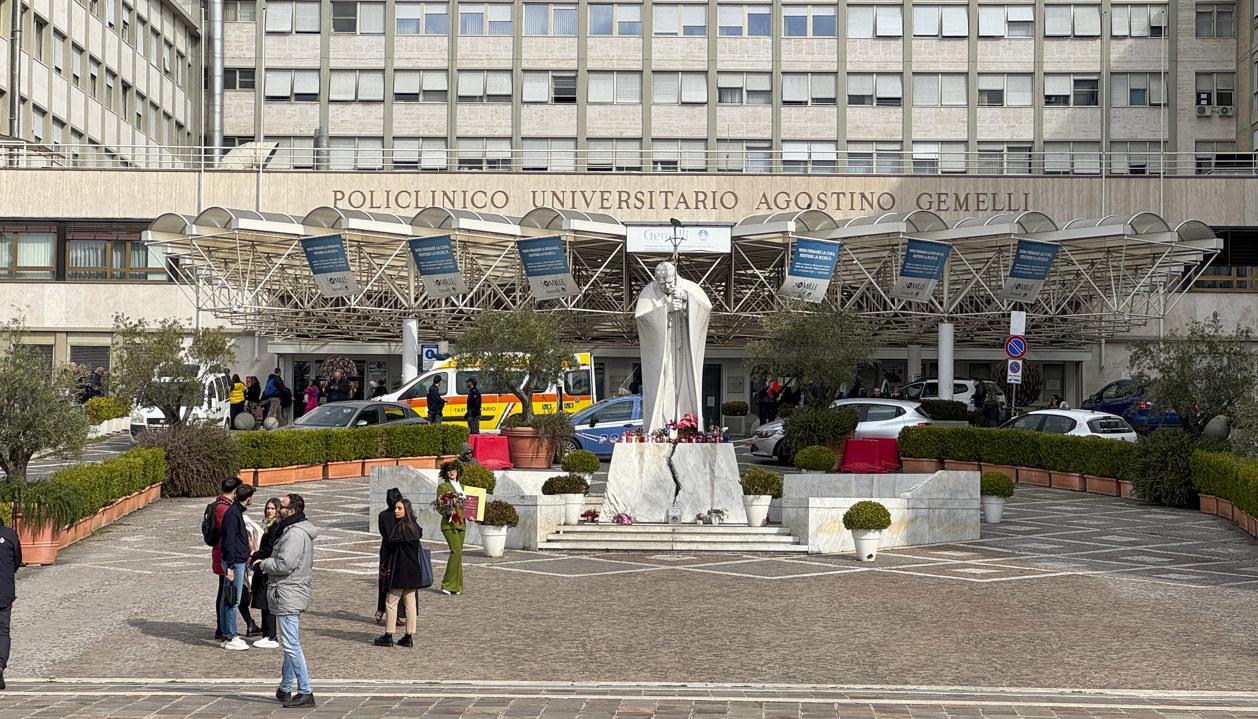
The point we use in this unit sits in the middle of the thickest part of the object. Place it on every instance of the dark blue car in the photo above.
(1125, 398)
(597, 425)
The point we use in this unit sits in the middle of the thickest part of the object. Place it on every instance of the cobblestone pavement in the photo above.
(602, 701)
(1072, 590)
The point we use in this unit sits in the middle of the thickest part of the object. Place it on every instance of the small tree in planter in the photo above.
(760, 488)
(573, 488)
(818, 347)
(41, 509)
(499, 517)
(815, 459)
(811, 425)
(994, 489)
(867, 519)
(153, 367)
(736, 410)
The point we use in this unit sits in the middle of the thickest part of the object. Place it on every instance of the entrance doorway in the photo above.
(711, 395)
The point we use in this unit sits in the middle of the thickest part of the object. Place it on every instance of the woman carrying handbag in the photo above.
(402, 549)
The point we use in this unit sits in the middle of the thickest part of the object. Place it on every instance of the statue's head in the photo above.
(666, 276)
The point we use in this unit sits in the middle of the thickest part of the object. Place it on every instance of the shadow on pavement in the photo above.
(188, 633)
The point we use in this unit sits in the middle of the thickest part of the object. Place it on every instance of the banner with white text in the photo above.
(330, 264)
(810, 270)
(1031, 262)
(923, 265)
(546, 265)
(434, 258)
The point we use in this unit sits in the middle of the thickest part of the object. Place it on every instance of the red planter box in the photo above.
(1036, 477)
(1124, 489)
(1066, 480)
(911, 465)
(1208, 504)
(1224, 509)
(1008, 470)
(343, 470)
(1100, 485)
(956, 466)
(418, 462)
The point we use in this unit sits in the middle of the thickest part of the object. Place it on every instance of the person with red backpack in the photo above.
(212, 534)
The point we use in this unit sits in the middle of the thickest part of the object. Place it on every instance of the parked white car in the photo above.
(962, 391)
(1075, 422)
(215, 407)
(880, 418)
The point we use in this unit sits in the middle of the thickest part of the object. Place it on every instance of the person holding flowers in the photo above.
(449, 504)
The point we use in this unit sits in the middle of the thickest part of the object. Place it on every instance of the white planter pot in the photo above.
(757, 506)
(573, 505)
(993, 508)
(867, 543)
(714, 521)
(494, 539)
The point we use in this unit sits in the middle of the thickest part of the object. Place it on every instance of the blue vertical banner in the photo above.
(1032, 261)
(923, 266)
(810, 269)
(330, 265)
(434, 258)
(545, 263)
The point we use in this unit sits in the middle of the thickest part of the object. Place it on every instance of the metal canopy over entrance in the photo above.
(1110, 274)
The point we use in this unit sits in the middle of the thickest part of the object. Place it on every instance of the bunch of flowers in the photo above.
(685, 431)
(450, 506)
(623, 518)
(589, 515)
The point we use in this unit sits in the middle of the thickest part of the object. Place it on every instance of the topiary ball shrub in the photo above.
(500, 514)
(758, 481)
(476, 475)
(815, 459)
(581, 461)
(1162, 470)
(566, 484)
(734, 409)
(995, 484)
(808, 426)
(103, 409)
(945, 410)
(198, 458)
(867, 514)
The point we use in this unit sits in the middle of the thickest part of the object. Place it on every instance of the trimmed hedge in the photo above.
(815, 458)
(287, 448)
(1227, 477)
(103, 409)
(867, 514)
(942, 410)
(104, 483)
(1018, 448)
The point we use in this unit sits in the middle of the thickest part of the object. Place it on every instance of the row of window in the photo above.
(1127, 89)
(733, 20)
(90, 255)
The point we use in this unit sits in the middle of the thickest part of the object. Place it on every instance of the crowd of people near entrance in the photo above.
(273, 398)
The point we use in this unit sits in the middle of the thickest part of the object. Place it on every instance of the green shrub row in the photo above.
(1034, 450)
(103, 409)
(1227, 477)
(942, 410)
(287, 448)
(104, 483)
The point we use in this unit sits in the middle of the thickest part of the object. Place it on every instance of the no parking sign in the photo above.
(1014, 375)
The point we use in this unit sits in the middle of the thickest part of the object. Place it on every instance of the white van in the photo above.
(215, 407)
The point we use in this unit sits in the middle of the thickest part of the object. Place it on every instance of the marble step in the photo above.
(673, 545)
(644, 528)
(706, 538)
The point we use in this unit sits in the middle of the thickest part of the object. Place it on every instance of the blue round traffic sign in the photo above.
(1015, 347)
(1015, 367)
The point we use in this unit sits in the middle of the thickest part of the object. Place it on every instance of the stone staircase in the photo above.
(673, 538)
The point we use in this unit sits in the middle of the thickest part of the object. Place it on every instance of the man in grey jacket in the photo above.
(289, 571)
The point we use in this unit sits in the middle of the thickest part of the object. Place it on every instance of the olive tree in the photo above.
(820, 349)
(39, 411)
(523, 351)
(1201, 371)
(153, 365)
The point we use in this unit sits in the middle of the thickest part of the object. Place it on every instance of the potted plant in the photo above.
(736, 410)
(478, 475)
(573, 488)
(867, 519)
(43, 509)
(499, 517)
(760, 488)
(808, 426)
(589, 516)
(701, 518)
(715, 516)
(921, 449)
(581, 461)
(815, 459)
(994, 489)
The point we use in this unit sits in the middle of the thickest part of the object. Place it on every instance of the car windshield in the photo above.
(1109, 425)
(585, 414)
(329, 415)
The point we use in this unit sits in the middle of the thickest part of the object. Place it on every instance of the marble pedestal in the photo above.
(641, 484)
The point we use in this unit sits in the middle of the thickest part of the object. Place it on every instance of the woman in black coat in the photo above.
(384, 523)
(270, 534)
(402, 550)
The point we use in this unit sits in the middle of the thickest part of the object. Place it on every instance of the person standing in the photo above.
(767, 400)
(219, 507)
(338, 388)
(402, 550)
(311, 394)
(245, 604)
(290, 571)
(270, 533)
(436, 401)
(10, 560)
(253, 397)
(237, 399)
(234, 541)
(452, 582)
(380, 390)
(384, 523)
(271, 397)
(473, 406)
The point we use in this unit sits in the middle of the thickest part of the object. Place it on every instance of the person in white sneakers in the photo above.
(290, 571)
(235, 553)
(270, 533)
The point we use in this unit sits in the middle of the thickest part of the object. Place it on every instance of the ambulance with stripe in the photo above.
(496, 403)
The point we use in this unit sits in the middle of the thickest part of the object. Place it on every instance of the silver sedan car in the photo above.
(878, 418)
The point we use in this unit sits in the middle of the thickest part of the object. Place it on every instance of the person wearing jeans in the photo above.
(290, 571)
(235, 544)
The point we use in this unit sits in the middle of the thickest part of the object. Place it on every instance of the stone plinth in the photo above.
(641, 483)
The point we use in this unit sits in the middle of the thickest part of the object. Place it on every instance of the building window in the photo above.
(420, 86)
(484, 86)
(356, 86)
(39, 41)
(110, 255)
(1072, 21)
(1136, 158)
(423, 18)
(125, 32)
(548, 155)
(419, 153)
(941, 21)
(559, 87)
(740, 20)
(544, 19)
(875, 21)
(240, 11)
(1071, 90)
(679, 88)
(478, 19)
(111, 82)
(1004, 90)
(295, 153)
(622, 155)
(480, 153)
(749, 88)
(1138, 20)
(1006, 20)
(363, 18)
(683, 20)
(295, 85)
(679, 155)
(883, 158)
(623, 20)
(744, 156)
(1072, 158)
(1136, 89)
(1216, 20)
(801, 88)
(1004, 158)
(355, 153)
(58, 52)
(1220, 157)
(293, 17)
(814, 156)
(809, 21)
(93, 77)
(618, 88)
(239, 78)
(882, 89)
(27, 255)
(932, 90)
(1216, 89)
(933, 158)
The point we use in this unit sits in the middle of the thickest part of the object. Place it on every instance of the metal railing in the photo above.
(24, 155)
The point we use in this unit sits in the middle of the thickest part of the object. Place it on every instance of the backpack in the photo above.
(209, 528)
(285, 395)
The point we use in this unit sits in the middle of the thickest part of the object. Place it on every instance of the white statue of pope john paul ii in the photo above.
(672, 316)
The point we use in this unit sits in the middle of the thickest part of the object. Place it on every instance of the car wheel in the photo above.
(573, 446)
(782, 452)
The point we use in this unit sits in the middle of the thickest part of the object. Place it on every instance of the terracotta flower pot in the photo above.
(274, 476)
(913, 465)
(1224, 508)
(1066, 480)
(527, 449)
(1036, 477)
(248, 476)
(368, 464)
(1008, 470)
(1208, 504)
(308, 473)
(1124, 489)
(39, 545)
(419, 462)
(343, 470)
(1100, 485)
(953, 465)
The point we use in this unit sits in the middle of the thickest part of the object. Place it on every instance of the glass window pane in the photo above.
(665, 20)
(925, 20)
(956, 22)
(666, 90)
(536, 19)
(890, 21)
(991, 21)
(600, 19)
(860, 21)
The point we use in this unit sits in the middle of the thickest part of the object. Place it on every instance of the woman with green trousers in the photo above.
(453, 528)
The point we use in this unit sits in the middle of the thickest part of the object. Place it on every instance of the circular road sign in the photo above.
(1015, 347)
(1015, 367)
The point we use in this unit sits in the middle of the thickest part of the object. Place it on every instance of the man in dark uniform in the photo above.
(10, 560)
(436, 402)
(473, 406)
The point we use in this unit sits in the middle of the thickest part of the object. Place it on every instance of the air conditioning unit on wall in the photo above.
(1203, 111)
(1226, 111)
